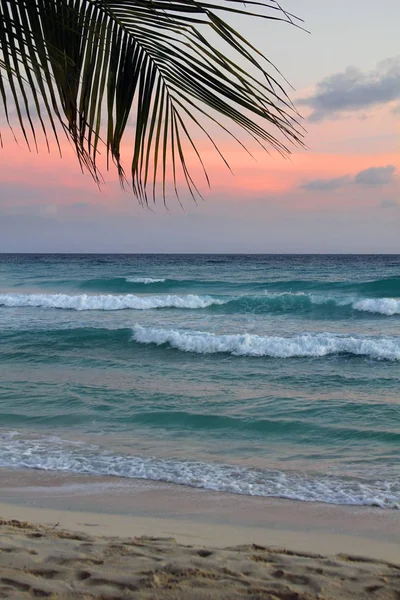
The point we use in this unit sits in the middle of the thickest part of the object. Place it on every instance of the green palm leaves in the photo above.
(90, 67)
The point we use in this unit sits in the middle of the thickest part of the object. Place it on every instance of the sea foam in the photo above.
(383, 306)
(106, 301)
(246, 344)
(61, 455)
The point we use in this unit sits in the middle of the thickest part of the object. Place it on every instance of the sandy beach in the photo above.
(46, 561)
(67, 537)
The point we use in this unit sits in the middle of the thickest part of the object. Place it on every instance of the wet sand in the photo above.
(67, 537)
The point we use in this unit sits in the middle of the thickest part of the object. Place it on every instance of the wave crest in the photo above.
(383, 306)
(305, 345)
(106, 301)
(300, 302)
(286, 301)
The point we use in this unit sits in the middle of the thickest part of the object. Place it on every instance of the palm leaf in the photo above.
(86, 67)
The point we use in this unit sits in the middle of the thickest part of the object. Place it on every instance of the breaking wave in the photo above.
(106, 301)
(317, 305)
(305, 345)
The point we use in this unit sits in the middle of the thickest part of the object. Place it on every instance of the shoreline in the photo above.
(111, 506)
(141, 540)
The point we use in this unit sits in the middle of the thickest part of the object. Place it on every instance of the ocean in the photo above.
(266, 375)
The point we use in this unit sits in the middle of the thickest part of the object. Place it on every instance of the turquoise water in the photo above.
(261, 375)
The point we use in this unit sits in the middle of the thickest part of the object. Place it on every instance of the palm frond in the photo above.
(85, 67)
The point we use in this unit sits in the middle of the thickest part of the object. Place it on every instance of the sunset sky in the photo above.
(341, 194)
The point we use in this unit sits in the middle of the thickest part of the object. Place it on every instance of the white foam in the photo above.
(304, 345)
(383, 306)
(50, 455)
(106, 301)
(146, 280)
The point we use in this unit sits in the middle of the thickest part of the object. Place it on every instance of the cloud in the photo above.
(389, 204)
(326, 184)
(354, 90)
(374, 176)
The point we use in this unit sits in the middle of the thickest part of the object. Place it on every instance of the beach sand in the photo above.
(38, 561)
(142, 540)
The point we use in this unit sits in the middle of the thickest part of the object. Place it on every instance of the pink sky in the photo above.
(335, 149)
(314, 201)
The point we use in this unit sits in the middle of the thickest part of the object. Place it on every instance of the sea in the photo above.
(261, 375)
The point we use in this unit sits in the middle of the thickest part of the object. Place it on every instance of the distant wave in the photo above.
(319, 306)
(379, 288)
(376, 288)
(53, 455)
(145, 280)
(106, 301)
(154, 284)
(305, 345)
